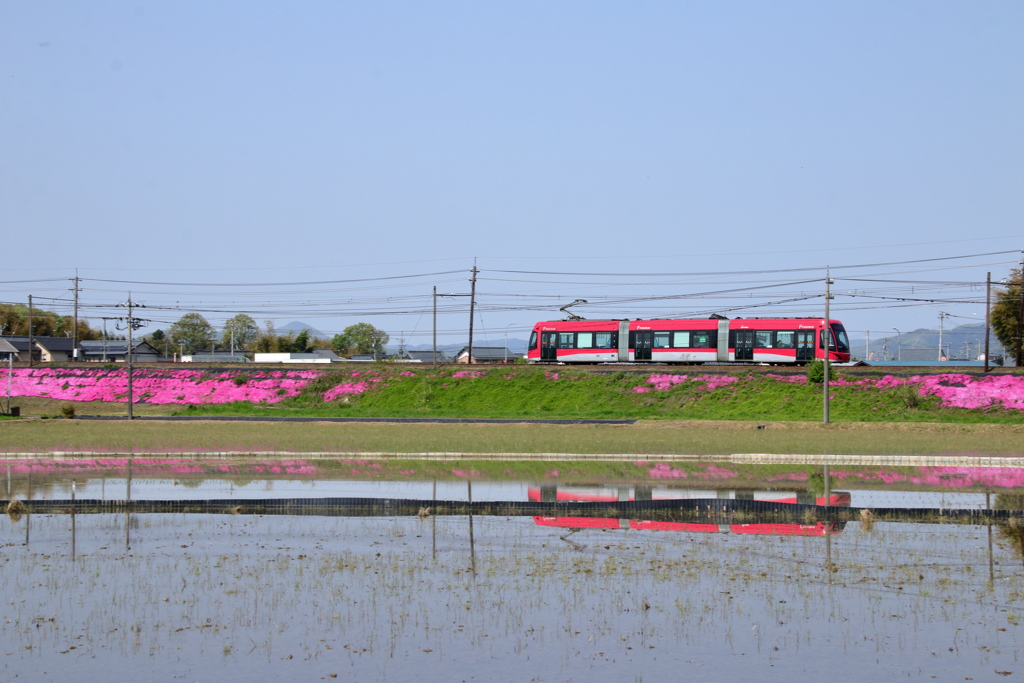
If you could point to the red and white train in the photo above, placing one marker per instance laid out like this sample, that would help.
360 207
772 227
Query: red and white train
713 340
611 495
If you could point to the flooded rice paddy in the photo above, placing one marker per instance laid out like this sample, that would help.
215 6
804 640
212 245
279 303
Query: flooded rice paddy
318 595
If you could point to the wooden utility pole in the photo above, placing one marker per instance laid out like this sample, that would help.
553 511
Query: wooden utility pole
131 323
131 401
988 313
30 330
74 333
1020 315
472 305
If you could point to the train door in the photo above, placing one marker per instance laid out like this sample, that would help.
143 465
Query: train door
804 346
744 347
548 346
642 346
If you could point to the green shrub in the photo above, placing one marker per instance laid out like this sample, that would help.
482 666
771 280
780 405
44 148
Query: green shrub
909 396
68 411
816 371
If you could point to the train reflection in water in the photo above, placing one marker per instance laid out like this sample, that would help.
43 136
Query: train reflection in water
612 494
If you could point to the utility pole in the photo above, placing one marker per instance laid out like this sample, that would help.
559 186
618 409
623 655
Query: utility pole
988 310
867 345
472 305
1020 314
74 334
131 323
942 317
30 330
828 339
472 298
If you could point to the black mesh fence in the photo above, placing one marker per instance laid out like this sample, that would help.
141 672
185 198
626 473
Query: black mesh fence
709 511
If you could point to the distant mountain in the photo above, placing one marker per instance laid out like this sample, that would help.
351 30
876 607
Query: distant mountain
514 345
298 326
963 342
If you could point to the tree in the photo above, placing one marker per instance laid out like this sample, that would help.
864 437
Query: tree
1006 315
192 333
268 341
14 321
301 343
244 329
159 341
360 338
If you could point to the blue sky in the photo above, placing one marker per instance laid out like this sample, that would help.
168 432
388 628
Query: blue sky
613 151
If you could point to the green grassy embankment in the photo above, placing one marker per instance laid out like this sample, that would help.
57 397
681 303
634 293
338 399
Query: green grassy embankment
528 392
720 437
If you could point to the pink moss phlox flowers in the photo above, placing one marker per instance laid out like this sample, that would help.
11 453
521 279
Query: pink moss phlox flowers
348 388
946 477
663 382
158 386
789 379
468 374
664 471
964 391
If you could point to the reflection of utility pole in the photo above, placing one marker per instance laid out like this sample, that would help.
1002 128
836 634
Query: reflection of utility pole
472 544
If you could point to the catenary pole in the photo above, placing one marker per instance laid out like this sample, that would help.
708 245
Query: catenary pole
827 341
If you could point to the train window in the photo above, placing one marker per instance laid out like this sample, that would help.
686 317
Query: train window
839 335
680 340
701 340
584 340
603 340
763 339
533 340
661 340
784 339
566 340
836 335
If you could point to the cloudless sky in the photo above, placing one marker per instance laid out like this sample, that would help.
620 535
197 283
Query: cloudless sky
233 143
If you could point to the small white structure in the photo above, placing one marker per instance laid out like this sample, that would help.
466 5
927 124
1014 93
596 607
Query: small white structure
290 358
213 358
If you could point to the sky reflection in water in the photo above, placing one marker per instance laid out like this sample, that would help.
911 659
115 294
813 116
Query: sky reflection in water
242 597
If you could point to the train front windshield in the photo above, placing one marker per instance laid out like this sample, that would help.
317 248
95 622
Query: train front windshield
838 341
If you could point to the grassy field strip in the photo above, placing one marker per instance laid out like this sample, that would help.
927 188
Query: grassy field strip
749 458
